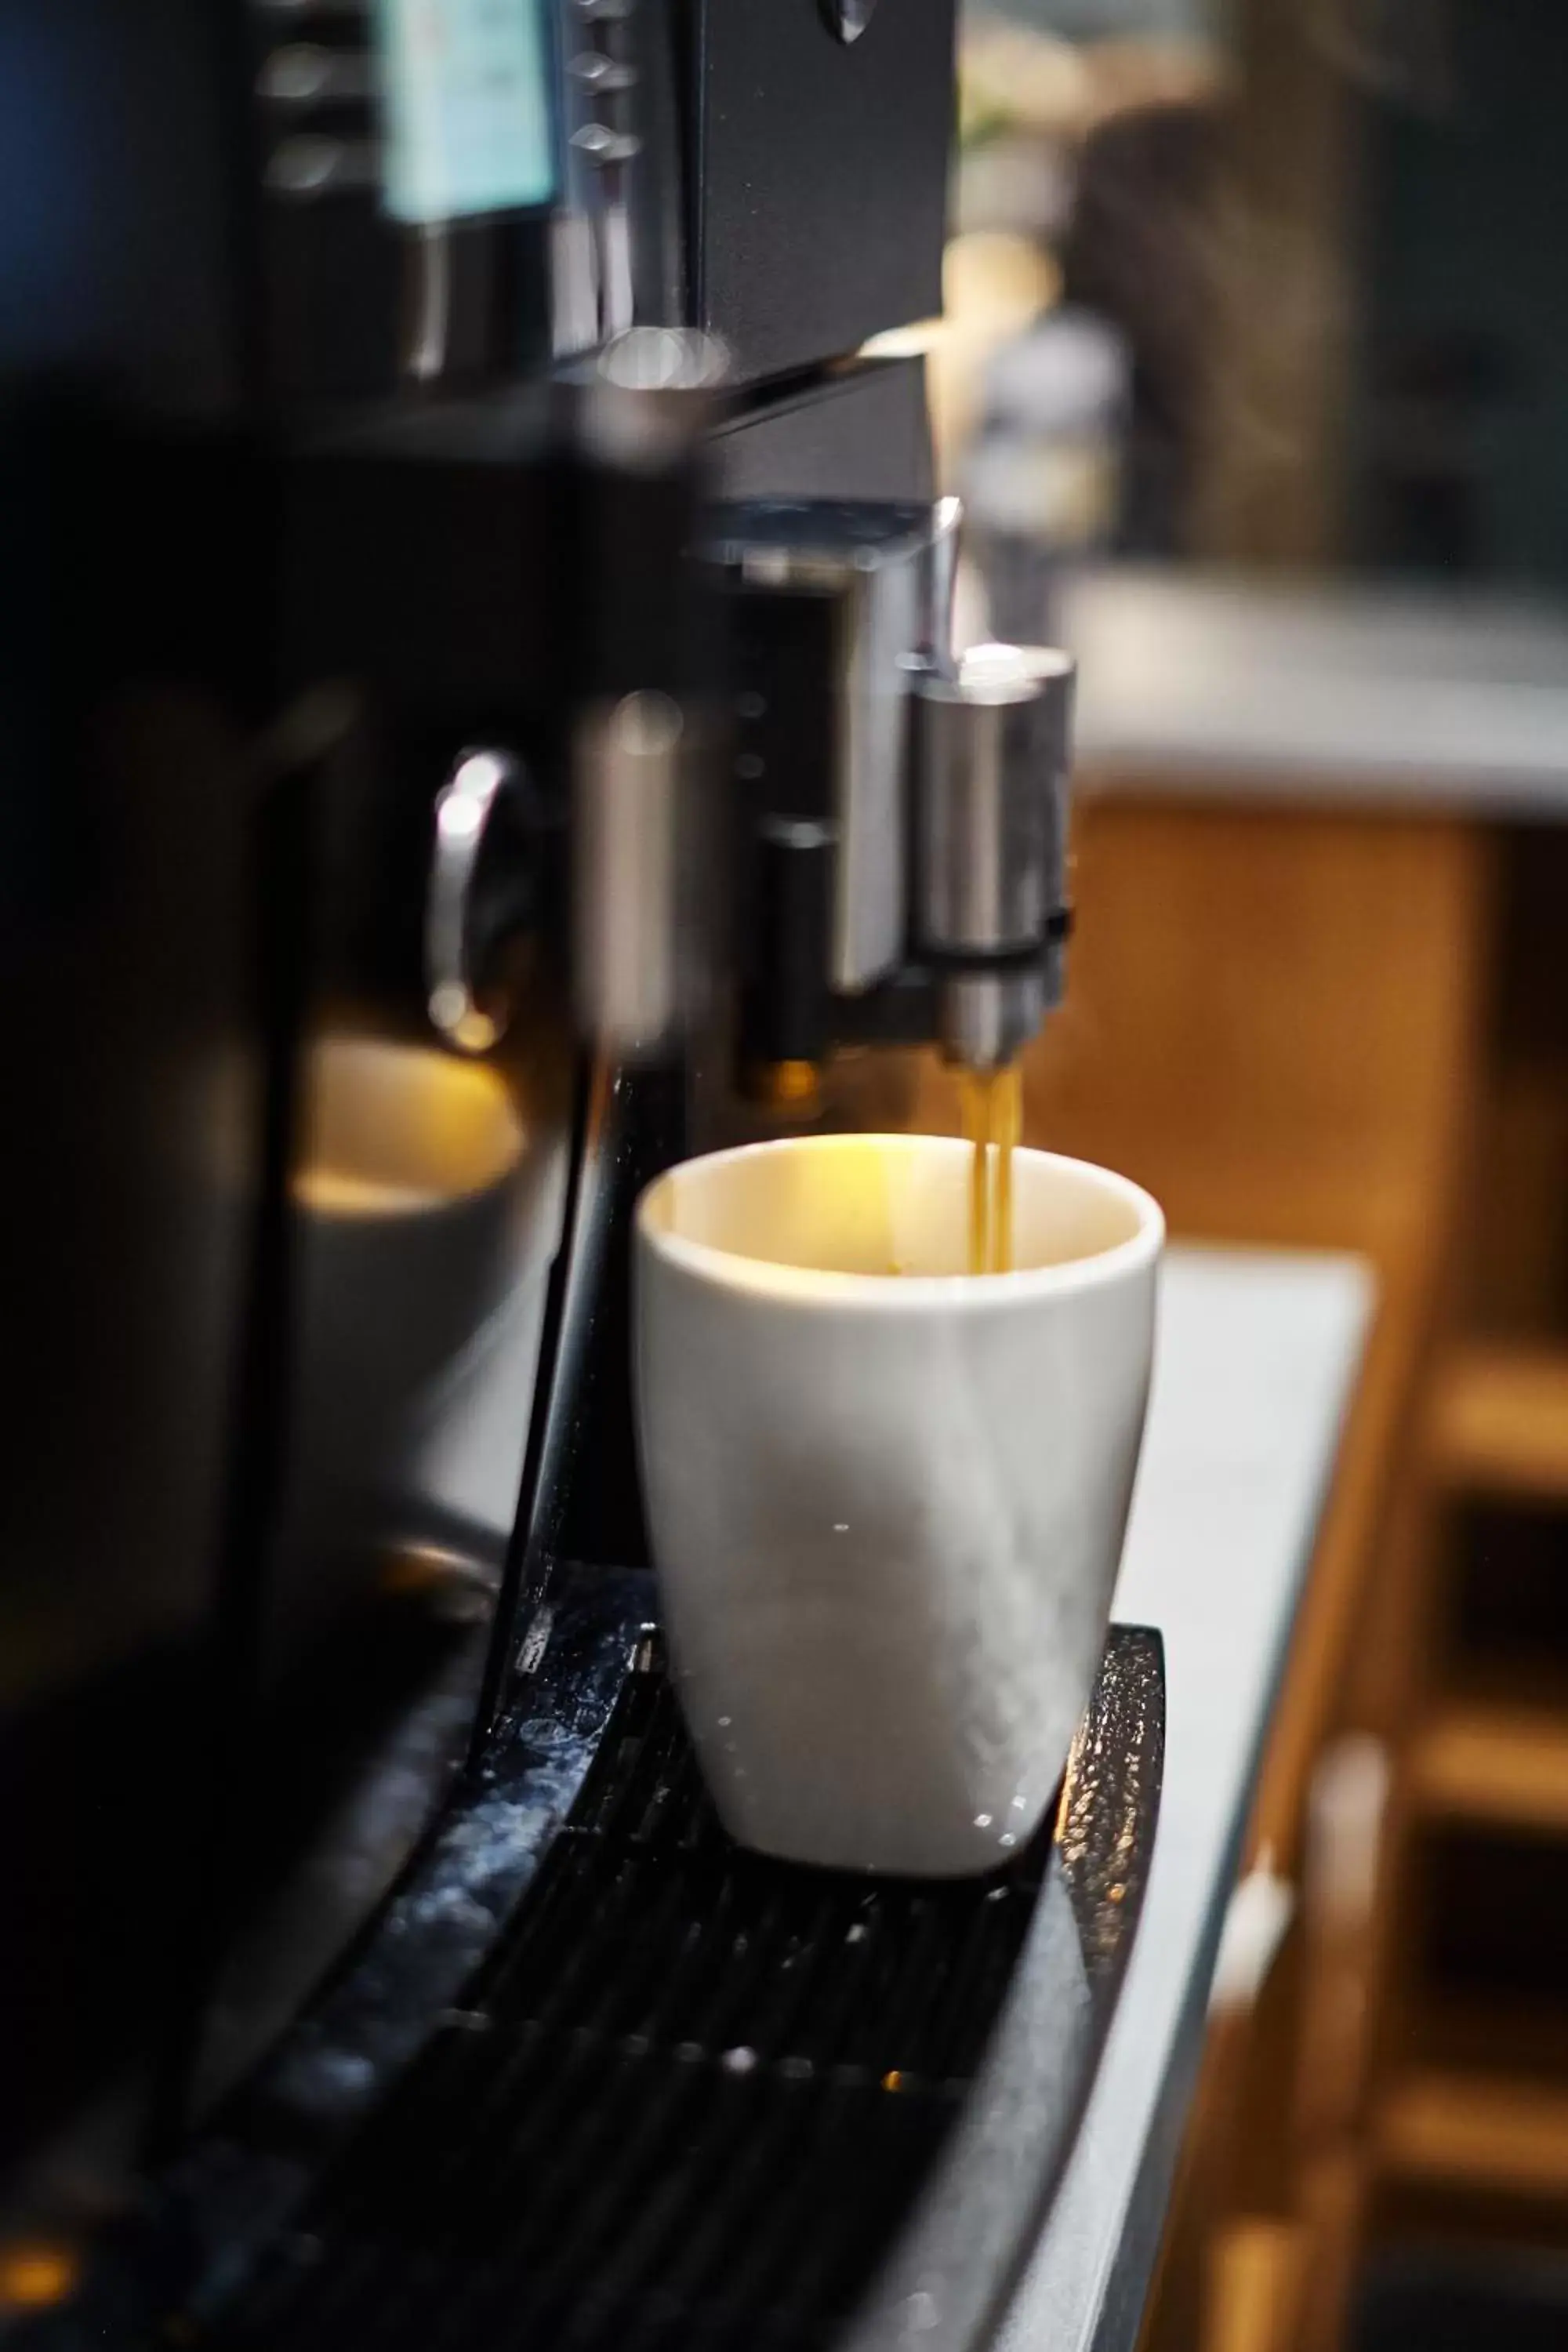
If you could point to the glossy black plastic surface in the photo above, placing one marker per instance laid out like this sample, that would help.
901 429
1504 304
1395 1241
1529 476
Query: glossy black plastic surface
663 2092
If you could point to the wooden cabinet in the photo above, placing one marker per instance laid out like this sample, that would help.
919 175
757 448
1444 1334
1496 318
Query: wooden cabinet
1326 1026
1319 1027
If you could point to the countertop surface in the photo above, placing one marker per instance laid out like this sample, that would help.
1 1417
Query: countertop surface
1256 1357
1252 687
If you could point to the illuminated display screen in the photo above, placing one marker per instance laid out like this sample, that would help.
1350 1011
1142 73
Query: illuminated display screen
466 105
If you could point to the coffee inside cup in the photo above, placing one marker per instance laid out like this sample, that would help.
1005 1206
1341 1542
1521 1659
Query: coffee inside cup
885 1205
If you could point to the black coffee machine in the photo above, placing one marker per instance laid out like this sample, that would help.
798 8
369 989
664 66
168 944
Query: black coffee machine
481 725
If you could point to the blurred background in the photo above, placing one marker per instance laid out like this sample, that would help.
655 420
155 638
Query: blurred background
1253 377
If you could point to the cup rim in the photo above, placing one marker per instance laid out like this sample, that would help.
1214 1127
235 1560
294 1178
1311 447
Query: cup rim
822 1286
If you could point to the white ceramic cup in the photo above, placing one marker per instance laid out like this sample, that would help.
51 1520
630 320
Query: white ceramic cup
885 1498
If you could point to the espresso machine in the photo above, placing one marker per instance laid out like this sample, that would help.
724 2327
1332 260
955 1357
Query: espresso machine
483 724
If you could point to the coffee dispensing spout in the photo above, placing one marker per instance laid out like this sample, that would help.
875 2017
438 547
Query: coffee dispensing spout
903 809
991 744
893 850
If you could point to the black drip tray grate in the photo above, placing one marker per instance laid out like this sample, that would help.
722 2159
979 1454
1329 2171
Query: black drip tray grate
686 2102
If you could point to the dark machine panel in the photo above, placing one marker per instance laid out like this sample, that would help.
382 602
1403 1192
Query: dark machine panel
862 433
118 244
138 841
823 176
292 515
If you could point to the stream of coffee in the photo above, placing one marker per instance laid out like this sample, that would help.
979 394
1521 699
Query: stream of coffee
993 1122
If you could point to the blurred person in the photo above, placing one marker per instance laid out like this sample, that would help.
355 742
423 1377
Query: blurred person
1137 253
1042 481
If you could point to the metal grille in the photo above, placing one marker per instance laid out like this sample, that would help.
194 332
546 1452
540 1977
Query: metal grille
686 2103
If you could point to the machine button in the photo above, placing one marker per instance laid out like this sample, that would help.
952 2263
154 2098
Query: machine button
848 18
304 75
302 169
602 75
603 146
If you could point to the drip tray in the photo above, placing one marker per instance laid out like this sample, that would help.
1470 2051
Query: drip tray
689 2100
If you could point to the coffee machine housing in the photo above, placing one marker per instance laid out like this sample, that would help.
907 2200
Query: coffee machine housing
317 1325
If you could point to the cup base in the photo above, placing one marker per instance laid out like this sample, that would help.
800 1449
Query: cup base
925 1858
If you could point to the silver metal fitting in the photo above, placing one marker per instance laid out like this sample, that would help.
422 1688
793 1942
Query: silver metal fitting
464 806
628 870
991 752
649 395
887 571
